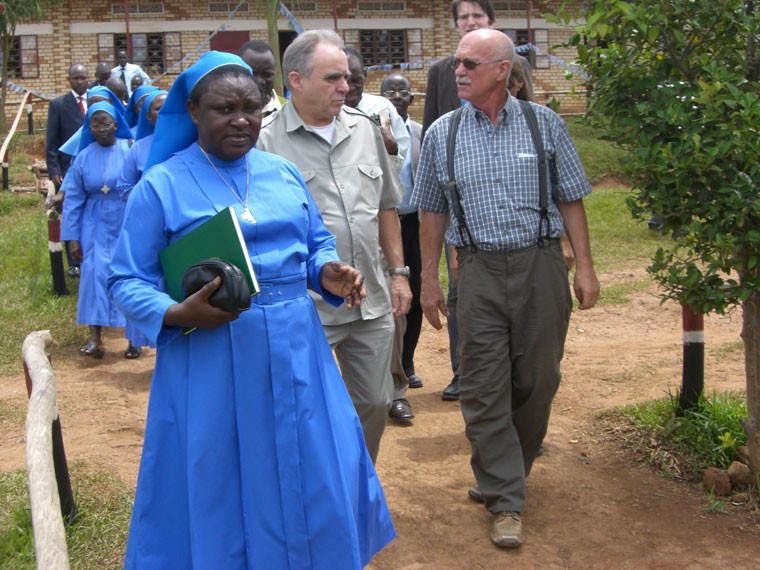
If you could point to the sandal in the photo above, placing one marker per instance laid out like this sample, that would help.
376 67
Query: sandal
132 352
91 349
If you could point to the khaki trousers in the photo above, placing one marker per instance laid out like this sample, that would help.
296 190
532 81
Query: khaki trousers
363 350
513 312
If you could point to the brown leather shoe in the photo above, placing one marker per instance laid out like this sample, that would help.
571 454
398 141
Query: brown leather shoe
506 529
401 410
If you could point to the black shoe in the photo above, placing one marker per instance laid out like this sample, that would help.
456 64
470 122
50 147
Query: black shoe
414 381
73 271
401 410
451 392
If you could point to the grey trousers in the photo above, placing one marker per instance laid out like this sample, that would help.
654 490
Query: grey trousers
363 350
513 312
400 380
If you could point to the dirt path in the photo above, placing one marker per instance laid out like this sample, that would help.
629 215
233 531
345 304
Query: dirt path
590 503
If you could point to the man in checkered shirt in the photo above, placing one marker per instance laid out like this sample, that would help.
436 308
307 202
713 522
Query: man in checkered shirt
514 301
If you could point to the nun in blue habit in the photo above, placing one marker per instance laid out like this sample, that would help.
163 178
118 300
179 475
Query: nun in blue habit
92 217
253 454
135 103
130 175
97 94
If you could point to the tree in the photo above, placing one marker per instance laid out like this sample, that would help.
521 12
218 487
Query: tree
677 83
11 13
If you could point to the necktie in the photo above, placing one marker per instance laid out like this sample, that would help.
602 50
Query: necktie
123 77
81 105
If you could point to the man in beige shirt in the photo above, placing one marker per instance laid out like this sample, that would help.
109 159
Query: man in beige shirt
341 155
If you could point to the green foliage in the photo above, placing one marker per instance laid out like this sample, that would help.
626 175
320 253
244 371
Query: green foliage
708 435
676 83
96 539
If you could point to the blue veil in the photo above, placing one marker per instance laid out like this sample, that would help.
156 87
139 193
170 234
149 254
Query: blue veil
144 126
175 129
122 129
130 114
71 146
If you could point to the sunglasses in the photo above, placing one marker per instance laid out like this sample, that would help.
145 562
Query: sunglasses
392 93
471 65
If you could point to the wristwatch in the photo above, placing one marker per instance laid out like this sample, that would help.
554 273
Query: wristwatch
400 271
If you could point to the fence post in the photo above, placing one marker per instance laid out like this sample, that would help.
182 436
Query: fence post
6 160
693 379
55 246
29 116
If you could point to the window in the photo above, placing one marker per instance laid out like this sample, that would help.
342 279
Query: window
510 6
540 40
382 46
153 52
117 8
22 57
226 7
381 6
302 6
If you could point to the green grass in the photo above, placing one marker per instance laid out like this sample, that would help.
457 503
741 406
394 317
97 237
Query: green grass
22 147
96 539
705 436
29 303
601 159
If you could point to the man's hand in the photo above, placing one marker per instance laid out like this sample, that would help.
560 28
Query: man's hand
567 251
433 301
586 287
344 281
75 249
401 295
57 180
391 146
196 311
55 202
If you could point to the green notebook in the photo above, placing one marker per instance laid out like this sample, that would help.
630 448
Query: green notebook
219 236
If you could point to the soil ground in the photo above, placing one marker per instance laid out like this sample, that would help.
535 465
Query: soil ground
592 502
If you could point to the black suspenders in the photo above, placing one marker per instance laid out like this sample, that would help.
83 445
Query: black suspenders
543 193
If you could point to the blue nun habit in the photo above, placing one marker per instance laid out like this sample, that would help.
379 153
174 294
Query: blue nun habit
254 457
92 215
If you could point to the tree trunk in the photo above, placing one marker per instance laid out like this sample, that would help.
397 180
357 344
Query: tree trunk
751 337
6 41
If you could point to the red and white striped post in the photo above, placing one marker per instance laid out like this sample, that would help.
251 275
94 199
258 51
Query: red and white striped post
6 160
55 246
693 379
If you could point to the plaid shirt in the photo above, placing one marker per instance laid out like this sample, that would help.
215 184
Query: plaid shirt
497 174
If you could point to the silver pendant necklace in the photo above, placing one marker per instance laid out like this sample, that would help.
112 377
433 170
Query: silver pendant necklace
105 189
246 215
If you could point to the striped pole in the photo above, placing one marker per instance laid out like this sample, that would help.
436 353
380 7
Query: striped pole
6 160
29 116
693 379
55 247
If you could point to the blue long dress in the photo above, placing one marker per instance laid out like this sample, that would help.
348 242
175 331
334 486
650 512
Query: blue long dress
253 454
94 218
131 171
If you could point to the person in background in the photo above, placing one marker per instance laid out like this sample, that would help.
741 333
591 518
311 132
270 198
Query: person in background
253 454
65 116
136 82
260 57
132 112
102 73
116 85
514 301
379 109
343 158
92 216
126 71
94 95
397 89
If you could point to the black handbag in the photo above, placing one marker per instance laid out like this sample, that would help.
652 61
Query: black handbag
233 293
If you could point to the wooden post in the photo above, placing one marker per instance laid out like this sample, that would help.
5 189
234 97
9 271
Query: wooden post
693 379
29 116
55 246
44 485
6 160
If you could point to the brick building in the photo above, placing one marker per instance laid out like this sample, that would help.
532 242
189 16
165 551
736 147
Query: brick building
163 33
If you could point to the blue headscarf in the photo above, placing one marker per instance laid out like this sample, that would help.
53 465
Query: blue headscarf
103 91
71 146
144 125
122 129
175 129
131 115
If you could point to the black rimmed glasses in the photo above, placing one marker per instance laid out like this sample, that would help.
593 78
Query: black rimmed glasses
470 64
392 93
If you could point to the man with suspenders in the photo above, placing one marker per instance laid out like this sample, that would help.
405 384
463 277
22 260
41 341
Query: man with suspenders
508 178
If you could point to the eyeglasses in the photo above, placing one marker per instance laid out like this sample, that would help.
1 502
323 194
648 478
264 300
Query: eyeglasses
392 93
471 65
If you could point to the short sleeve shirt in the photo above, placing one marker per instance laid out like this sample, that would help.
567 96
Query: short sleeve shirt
351 180
496 170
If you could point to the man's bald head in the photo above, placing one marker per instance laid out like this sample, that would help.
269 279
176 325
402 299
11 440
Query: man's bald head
102 72
494 45
78 78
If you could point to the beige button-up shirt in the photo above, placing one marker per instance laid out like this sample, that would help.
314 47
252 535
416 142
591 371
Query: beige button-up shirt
351 181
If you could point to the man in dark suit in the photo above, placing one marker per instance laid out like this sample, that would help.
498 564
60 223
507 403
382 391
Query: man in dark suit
65 116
